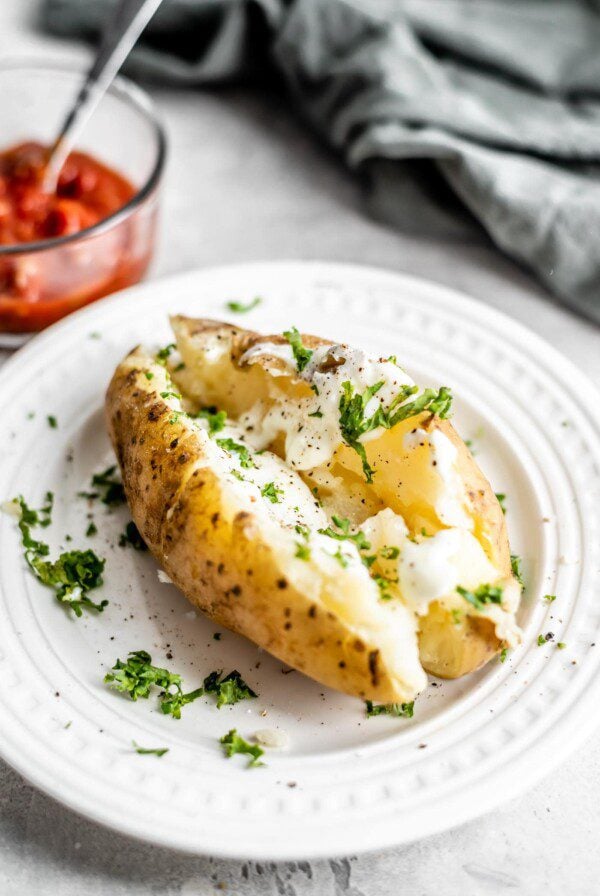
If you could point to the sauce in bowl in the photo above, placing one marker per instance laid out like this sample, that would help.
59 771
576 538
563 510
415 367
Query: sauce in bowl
41 286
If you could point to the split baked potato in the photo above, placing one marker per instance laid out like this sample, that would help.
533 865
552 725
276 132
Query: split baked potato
316 501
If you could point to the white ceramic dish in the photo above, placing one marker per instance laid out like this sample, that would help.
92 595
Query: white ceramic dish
346 783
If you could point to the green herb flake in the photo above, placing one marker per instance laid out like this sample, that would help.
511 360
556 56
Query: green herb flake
149 375
170 394
271 492
503 654
137 676
302 355
233 743
517 568
456 616
52 421
171 703
244 456
561 645
302 551
401 710
243 308
106 486
390 553
342 533
501 497
317 413
541 640
149 751
215 418
228 690
485 594
550 598
131 536
91 530
164 353
354 423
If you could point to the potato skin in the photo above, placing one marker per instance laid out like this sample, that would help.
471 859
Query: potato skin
215 554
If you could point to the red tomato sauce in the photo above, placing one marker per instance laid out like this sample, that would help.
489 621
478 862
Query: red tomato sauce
38 288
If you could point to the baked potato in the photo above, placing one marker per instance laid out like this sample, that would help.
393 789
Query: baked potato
316 501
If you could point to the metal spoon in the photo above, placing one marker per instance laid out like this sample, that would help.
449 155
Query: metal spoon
120 36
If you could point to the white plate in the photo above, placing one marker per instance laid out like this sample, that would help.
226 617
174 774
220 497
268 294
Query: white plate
359 783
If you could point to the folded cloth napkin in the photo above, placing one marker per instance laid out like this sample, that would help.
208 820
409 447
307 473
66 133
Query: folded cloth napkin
489 107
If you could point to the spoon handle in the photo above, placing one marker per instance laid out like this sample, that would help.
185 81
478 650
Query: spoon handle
118 39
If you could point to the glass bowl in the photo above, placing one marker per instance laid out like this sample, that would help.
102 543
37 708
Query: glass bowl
40 282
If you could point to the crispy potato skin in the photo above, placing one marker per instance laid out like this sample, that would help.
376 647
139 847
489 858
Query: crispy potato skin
214 554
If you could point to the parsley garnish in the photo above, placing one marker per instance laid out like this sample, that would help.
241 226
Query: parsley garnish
503 654
317 413
302 355
52 421
216 419
72 575
149 751
354 424
342 559
272 492
561 645
485 594
517 571
233 743
456 616
243 453
344 533
542 640
108 488
92 529
170 394
302 551
163 353
137 676
241 308
550 598
230 689
390 553
402 710
149 375
501 499
132 536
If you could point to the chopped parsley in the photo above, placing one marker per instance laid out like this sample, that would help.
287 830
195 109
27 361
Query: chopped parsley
401 710
242 451
302 551
302 530
456 616
107 487
131 536
243 308
228 690
343 534
163 353
485 594
503 654
72 575
302 355
390 553
233 743
501 497
172 703
149 751
272 492
170 394
52 421
137 676
317 413
92 529
561 645
216 419
541 640
342 559
550 598
354 423
517 570
149 375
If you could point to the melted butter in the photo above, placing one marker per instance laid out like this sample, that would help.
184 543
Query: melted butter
311 441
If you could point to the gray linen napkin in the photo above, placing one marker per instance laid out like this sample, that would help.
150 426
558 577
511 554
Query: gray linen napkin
491 106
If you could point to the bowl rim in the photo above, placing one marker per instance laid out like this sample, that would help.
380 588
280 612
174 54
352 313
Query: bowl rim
129 93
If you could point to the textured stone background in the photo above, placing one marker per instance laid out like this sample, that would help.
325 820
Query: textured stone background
246 181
